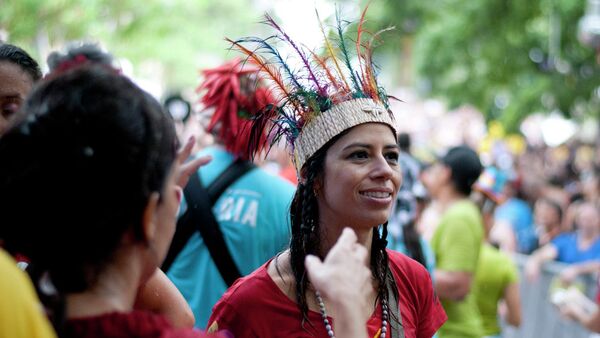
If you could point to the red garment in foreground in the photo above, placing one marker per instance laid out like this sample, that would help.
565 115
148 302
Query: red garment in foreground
255 307
136 324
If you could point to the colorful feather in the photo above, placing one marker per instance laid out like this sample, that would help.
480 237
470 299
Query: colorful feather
331 53
359 53
342 46
335 82
271 72
370 66
264 46
269 20
314 87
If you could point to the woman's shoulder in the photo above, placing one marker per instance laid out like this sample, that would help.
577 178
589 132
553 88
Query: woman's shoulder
250 287
254 306
405 267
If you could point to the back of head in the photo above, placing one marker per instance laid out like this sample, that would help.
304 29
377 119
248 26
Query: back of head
236 94
466 167
404 142
78 53
78 171
18 56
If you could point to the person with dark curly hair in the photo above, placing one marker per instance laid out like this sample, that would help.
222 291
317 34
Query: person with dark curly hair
95 137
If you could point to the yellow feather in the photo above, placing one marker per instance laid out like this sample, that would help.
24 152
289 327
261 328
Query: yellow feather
329 48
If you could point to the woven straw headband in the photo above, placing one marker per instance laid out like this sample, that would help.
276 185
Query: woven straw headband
335 120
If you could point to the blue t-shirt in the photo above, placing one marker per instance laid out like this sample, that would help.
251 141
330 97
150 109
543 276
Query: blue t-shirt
518 213
253 214
568 252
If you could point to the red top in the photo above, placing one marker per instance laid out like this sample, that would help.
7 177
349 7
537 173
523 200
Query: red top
136 324
255 306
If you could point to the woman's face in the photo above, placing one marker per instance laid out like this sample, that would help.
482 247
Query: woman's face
588 218
435 177
361 178
546 215
14 86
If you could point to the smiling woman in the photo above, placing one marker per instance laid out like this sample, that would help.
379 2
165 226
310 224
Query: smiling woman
361 177
343 139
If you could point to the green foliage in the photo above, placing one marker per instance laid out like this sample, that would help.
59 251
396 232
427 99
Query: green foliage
182 35
482 52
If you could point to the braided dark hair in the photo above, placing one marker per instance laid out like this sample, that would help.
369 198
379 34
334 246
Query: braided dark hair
305 233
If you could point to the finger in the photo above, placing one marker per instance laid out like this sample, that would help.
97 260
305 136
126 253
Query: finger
186 150
313 266
196 163
189 168
347 238
360 253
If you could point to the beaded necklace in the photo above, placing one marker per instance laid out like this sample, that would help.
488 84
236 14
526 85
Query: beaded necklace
331 334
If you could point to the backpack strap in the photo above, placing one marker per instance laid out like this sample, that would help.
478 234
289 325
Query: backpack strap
397 329
199 217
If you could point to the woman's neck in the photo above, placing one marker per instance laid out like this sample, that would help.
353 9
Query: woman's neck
587 238
330 233
447 197
114 291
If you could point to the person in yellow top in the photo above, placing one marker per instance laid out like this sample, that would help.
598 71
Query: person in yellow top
21 313
496 278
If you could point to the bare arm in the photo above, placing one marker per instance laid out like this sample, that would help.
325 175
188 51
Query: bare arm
512 299
452 285
159 295
534 264
503 234
569 274
577 313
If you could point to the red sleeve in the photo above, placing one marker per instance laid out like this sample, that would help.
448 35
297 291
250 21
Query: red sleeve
422 312
432 314
226 319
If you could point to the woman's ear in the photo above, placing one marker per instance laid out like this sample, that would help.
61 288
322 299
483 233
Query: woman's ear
149 219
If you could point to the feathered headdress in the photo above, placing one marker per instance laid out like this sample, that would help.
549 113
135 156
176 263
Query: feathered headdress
234 91
324 96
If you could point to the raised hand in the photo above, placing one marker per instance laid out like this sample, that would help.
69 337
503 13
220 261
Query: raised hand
344 281
186 168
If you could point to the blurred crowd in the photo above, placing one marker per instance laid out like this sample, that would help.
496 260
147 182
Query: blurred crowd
462 213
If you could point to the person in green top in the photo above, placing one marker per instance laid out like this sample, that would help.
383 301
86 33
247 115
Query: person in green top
457 240
497 277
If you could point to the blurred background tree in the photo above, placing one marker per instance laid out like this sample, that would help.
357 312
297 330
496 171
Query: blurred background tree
179 35
508 58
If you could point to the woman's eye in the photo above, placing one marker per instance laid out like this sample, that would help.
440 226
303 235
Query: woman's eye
8 109
359 155
392 157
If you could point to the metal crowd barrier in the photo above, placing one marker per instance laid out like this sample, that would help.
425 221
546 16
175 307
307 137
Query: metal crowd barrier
540 318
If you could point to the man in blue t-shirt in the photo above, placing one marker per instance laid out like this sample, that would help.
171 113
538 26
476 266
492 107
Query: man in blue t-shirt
253 212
